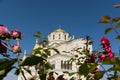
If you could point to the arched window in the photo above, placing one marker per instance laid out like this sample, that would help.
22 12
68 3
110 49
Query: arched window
53 36
70 66
59 36
62 64
65 37
66 65
53 66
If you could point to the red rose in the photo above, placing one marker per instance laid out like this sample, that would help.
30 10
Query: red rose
101 57
16 34
93 56
108 48
16 48
105 42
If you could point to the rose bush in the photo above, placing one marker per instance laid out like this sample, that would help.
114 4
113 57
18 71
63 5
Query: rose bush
7 63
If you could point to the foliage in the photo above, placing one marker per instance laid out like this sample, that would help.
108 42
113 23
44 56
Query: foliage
114 23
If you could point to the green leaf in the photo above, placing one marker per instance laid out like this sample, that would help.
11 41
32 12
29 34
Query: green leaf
99 75
47 51
4 63
118 25
38 35
117 19
5 71
118 37
108 30
116 67
17 72
36 51
105 19
32 60
69 73
48 65
110 61
42 74
86 52
85 69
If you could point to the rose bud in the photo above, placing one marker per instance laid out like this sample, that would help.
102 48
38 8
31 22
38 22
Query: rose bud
105 42
16 48
16 34
110 55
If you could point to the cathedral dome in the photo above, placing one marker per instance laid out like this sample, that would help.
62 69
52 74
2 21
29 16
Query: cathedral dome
59 35
60 30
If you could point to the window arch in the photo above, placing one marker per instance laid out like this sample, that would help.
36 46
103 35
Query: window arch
65 37
66 65
53 36
59 36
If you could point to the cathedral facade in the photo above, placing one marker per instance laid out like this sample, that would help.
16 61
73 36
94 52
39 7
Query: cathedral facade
67 46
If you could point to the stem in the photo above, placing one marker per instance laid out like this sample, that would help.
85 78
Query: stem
17 41
8 41
6 46
18 59
17 55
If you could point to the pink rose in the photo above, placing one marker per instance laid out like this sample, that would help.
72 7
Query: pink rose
16 48
4 33
16 34
3 48
110 55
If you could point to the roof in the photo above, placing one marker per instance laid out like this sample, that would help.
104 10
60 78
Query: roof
60 30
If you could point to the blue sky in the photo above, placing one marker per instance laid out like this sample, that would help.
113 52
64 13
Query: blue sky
78 17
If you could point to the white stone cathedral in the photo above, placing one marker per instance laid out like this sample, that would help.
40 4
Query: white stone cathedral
67 46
